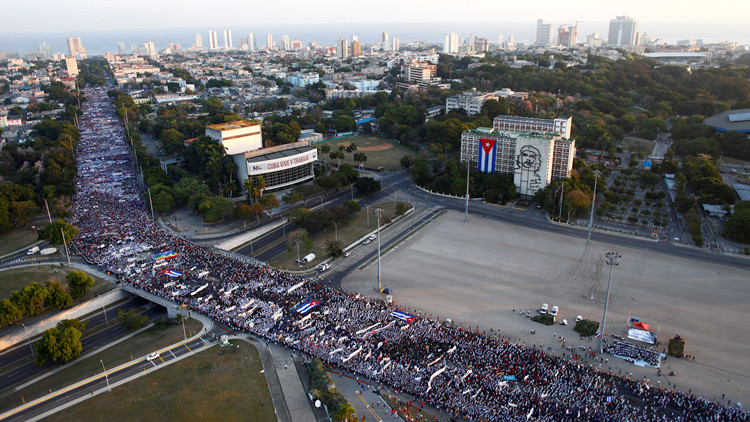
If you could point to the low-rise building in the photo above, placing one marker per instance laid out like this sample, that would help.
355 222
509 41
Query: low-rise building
471 101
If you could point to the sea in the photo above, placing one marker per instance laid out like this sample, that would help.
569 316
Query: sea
101 41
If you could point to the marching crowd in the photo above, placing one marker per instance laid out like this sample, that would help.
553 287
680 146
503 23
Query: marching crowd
457 370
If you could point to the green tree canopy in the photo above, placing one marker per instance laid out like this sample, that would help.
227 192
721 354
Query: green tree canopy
79 283
53 234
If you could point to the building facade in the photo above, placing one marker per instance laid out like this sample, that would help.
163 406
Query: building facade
535 157
543 33
471 101
213 42
560 125
623 31
71 65
280 166
75 48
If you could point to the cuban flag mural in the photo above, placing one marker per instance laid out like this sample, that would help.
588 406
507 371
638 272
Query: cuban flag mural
403 316
306 306
487 155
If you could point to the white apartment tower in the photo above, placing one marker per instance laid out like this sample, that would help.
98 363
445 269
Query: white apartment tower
198 42
623 31
269 41
228 39
75 48
71 65
543 33
285 41
450 45
342 49
384 40
213 42
251 46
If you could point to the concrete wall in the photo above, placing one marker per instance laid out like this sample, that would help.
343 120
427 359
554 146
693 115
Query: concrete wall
75 312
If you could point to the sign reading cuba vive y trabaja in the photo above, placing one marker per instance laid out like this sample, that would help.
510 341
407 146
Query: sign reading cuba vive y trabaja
261 167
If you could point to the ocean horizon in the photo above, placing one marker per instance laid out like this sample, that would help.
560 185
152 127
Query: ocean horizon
98 42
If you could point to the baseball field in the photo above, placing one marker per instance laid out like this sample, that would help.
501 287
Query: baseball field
380 152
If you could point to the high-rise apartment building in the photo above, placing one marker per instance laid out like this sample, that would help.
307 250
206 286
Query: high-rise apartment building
296 44
227 39
384 41
543 33
198 42
45 50
269 41
623 31
356 49
75 48
286 44
71 65
149 47
567 35
354 38
342 49
481 44
251 46
450 44
121 47
395 44
500 40
213 41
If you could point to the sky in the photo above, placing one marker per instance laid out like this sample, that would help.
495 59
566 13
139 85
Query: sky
70 15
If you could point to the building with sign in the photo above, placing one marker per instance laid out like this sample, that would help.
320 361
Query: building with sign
280 166
536 158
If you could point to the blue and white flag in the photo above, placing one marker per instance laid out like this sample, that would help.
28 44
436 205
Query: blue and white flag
487 155
172 273
598 334
306 306
403 316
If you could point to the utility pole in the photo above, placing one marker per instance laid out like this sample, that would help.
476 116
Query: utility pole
368 215
106 376
66 245
183 326
336 226
28 339
613 260
597 173
466 212
379 213
151 203
48 214
106 320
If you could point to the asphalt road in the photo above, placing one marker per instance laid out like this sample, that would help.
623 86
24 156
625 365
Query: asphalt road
28 370
86 388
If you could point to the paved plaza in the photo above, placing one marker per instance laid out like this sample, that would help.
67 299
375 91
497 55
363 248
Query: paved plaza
478 273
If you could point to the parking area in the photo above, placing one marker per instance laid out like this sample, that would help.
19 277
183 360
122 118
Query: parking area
483 273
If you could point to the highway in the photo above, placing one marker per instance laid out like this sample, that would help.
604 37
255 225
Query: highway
87 387
24 369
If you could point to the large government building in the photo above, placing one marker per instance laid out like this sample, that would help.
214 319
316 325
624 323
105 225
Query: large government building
281 166
536 151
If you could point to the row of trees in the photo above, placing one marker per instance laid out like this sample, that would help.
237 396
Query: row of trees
36 298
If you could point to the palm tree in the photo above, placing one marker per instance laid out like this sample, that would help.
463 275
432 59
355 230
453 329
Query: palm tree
351 148
360 157
254 188
324 149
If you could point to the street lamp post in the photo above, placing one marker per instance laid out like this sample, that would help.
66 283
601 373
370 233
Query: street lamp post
62 232
379 213
151 203
106 376
28 339
298 261
466 212
597 173
613 260
336 228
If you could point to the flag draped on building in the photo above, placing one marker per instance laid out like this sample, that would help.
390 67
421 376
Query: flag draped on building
165 255
306 306
172 273
487 155
403 316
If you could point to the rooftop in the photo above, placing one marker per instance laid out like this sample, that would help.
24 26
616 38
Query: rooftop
731 120
239 124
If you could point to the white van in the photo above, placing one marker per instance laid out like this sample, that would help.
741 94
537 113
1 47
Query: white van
33 250
324 266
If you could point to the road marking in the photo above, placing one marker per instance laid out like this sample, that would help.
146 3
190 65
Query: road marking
161 358
367 405
186 346
172 353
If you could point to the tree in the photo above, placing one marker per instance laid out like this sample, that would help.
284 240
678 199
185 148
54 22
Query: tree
738 225
254 187
31 299
172 140
53 235
406 161
9 313
58 345
366 185
360 157
162 198
334 248
269 202
243 212
79 283
189 186
215 208
131 320
57 297
579 201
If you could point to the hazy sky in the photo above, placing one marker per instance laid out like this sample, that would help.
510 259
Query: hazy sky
72 15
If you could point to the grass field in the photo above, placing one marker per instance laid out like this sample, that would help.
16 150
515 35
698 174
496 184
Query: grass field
353 230
17 279
137 346
15 240
219 384
380 152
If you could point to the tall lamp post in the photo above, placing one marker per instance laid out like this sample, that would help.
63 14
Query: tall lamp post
106 376
379 213
28 339
597 173
466 211
336 228
613 260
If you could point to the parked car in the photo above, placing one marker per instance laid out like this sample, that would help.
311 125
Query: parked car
554 310
579 318
372 237
543 309
152 356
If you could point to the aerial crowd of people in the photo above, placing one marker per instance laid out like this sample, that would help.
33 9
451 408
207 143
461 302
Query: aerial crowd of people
457 370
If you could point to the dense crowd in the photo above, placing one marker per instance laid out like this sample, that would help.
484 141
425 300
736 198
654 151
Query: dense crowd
635 353
457 370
